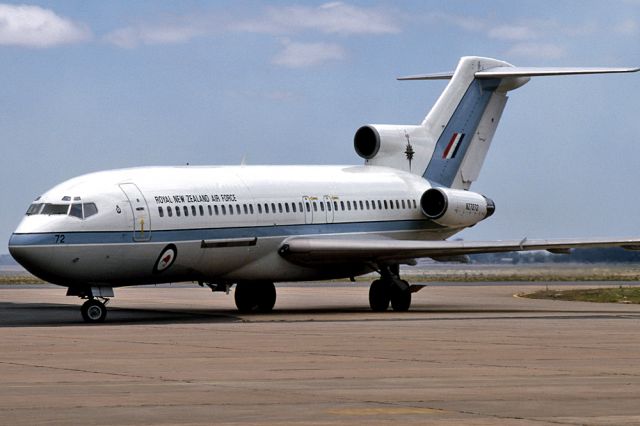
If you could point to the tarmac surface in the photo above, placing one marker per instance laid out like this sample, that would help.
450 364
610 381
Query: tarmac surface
468 355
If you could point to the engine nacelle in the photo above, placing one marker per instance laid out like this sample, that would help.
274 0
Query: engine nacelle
455 207
385 140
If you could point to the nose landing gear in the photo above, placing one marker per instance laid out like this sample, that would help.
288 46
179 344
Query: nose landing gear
94 311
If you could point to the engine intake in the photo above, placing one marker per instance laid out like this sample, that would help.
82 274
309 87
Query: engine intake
455 207
367 142
379 142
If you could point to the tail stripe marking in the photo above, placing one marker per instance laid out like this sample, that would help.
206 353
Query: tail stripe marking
453 146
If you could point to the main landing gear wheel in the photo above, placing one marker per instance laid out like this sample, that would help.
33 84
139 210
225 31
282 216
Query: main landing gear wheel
379 295
255 297
401 296
93 311
396 291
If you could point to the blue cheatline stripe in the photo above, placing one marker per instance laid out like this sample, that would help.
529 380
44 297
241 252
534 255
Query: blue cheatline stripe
464 120
177 235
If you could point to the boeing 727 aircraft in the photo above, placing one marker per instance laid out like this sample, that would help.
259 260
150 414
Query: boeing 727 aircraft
251 226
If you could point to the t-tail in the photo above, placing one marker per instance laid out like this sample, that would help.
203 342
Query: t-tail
449 147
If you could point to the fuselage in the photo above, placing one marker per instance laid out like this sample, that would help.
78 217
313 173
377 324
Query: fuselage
212 224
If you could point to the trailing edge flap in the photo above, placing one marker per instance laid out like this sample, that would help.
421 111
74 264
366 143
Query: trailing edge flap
318 250
504 72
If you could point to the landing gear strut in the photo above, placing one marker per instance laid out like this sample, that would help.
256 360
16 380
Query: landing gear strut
390 289
259 296
93 311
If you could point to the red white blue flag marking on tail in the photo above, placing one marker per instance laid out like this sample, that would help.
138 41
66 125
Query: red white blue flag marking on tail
452 147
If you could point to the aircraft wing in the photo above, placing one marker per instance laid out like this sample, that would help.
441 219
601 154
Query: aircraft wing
319 250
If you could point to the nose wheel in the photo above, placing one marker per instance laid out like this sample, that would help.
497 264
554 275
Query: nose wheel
93 311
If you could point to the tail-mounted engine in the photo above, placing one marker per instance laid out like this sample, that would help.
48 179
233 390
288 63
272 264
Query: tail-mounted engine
390 145
455 207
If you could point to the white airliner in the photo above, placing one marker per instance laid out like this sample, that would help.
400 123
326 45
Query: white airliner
255 225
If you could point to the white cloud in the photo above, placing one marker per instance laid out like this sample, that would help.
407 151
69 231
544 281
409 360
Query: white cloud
300 55
33 26
628 27
512 32
329 18
537 50
130 37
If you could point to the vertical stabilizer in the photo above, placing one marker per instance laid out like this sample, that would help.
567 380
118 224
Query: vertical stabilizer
462 124
449 147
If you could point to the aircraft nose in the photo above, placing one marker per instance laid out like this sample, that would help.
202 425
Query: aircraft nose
34 259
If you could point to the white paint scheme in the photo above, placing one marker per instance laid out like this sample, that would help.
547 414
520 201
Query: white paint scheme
341 234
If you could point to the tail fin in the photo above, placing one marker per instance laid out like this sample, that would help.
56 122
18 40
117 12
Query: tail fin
457 132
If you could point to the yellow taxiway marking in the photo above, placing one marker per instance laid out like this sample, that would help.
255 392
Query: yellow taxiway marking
377 411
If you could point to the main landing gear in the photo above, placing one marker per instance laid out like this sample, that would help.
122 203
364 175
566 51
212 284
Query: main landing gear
255 296
250 296
390 289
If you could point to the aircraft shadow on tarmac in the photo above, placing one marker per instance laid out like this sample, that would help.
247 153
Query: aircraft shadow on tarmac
57 315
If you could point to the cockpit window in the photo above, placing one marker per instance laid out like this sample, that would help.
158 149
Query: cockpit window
55 209
90 209
34 209
76 210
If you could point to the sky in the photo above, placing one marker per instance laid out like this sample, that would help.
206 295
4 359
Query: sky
88 86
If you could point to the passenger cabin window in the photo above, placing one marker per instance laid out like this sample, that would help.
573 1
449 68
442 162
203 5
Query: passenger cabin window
193 211
210 211
169 211
238 209
259 208
230 208
215 209
178 211
186 211
160 211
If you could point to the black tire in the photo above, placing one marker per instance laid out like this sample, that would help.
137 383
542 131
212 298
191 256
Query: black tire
401 297
255 297
379 295
93 311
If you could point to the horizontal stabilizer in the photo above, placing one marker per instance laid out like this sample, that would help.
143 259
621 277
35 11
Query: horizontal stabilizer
504 72
434 76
